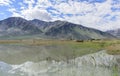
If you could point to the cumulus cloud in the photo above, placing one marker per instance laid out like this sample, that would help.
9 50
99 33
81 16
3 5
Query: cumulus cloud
98 15
36 14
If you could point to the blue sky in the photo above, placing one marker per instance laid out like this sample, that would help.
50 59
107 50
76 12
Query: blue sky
99 14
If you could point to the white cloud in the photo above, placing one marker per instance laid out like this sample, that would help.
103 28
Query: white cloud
14 12
30 3
5 2
74 8
36 14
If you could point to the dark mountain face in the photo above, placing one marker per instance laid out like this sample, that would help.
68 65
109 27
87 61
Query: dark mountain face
58 29
17 26
115 32
44 26
74 31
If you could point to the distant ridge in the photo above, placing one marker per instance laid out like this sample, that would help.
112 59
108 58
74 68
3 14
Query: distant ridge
115 32
16 26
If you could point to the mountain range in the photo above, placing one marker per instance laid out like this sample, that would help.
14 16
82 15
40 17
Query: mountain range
115 32
17 27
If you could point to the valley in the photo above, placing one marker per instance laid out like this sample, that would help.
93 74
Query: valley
39 48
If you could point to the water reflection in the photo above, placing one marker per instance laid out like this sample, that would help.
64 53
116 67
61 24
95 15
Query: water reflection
26 60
